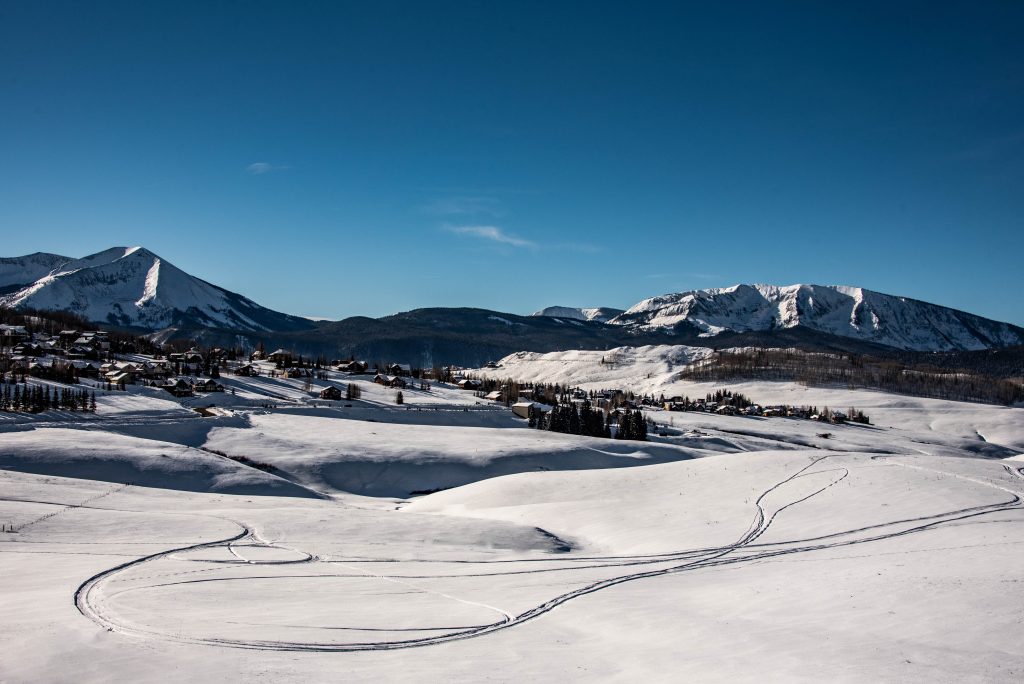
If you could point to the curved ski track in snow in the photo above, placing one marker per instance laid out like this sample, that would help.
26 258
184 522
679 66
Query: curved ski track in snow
743 550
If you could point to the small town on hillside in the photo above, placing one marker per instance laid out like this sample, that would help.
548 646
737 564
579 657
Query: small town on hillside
99 360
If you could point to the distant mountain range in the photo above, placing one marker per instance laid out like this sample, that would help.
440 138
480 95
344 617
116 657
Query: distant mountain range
132 288
601 314
852 312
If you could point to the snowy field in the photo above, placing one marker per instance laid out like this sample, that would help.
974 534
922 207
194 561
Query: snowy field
283 538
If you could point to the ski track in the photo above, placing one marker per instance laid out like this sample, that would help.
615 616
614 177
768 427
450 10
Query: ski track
744 550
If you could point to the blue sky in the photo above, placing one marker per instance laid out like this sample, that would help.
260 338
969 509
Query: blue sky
337 159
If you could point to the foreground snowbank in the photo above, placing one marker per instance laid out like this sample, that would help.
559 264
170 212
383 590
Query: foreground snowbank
96 455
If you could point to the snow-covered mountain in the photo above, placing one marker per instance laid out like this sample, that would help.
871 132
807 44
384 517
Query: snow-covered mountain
17 272
838 310
601 314
132 287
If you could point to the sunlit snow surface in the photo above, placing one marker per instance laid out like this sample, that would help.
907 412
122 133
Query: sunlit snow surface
731 549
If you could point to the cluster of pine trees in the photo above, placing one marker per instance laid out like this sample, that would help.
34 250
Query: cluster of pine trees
632 426
36 399
582 419
858 416
572 419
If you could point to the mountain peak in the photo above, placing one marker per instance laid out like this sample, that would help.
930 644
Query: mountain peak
133 287
842 310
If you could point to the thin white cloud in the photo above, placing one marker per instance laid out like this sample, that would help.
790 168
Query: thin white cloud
492 233
258 168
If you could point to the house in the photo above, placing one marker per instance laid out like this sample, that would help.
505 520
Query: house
210 385
180 388
10 335
50 349
524 408
154 371
280 356
399 369
29 349
389 380
86 369
93 340
469 384
67 337
119 378
80 352
353 366
191 356
726 410
247 370
496 395
331 392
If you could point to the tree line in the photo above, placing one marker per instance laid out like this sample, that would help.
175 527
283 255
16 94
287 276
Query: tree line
854 371
36 399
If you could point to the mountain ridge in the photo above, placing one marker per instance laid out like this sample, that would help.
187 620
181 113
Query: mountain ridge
601 314
855 312
133 288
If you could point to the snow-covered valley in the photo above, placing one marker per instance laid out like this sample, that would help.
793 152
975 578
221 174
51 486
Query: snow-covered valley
291 538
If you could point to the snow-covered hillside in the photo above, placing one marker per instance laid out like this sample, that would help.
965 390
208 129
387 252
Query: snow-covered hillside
654 370
132 547
638 368
838 310
288 537
133 287
20 271
602 314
